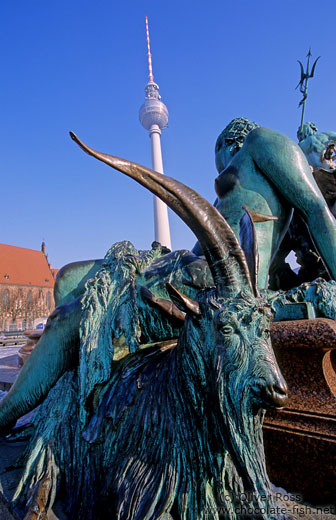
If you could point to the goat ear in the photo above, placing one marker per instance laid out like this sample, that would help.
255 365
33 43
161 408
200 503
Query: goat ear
181 301
258 217
249 244
166 306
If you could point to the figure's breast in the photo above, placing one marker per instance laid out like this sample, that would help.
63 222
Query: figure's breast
226 181
242 183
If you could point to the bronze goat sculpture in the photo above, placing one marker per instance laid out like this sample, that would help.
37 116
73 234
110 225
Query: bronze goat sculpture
166 431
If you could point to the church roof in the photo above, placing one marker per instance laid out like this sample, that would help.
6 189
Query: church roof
22 266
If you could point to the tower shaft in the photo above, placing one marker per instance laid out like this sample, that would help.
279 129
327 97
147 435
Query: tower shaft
161 221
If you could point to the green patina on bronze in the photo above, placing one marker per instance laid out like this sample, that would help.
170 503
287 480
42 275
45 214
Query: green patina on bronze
138 433
174 430
269 174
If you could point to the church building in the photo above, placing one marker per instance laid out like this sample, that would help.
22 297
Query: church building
26 287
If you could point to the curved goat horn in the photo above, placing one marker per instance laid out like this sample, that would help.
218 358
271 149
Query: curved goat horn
219 243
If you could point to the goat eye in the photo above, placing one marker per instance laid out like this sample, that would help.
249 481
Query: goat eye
267 333
227 330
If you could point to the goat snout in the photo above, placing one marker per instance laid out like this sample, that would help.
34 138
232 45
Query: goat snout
272 395
276 395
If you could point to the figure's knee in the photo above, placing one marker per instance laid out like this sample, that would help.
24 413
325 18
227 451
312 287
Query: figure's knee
71 279
63 286
57 316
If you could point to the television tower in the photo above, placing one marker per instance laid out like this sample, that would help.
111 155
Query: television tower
153 116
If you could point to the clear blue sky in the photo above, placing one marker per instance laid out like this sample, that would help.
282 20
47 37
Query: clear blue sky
81 65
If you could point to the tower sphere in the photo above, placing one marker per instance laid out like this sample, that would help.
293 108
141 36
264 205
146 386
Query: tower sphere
153 111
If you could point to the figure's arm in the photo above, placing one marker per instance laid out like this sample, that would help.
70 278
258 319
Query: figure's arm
55 353
281 160
317 142
331 135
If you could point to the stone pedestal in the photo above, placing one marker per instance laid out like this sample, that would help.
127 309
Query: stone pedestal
25 351
300 440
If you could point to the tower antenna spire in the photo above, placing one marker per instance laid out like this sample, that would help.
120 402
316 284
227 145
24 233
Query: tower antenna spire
153 116
150 69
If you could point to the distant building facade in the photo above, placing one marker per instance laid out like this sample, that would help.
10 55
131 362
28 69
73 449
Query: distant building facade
26 287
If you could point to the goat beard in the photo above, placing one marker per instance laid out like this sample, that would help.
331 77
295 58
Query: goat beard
245 482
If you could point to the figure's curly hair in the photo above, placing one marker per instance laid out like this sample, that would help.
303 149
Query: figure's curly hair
307 130
234 134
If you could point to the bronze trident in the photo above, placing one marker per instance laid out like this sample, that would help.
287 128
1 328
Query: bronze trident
303 84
